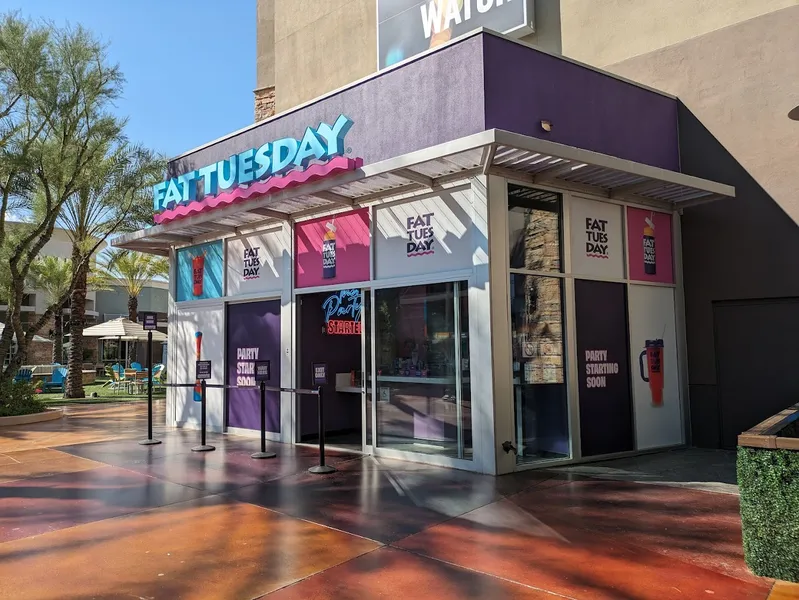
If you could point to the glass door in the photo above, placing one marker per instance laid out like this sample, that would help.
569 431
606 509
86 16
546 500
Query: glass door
420 370
366 369
330 332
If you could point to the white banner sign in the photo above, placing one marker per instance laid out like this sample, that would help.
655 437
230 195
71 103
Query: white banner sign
255 263
653 352
596 239
424 236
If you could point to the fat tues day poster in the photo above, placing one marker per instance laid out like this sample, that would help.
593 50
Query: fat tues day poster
333 249
200 272
606 412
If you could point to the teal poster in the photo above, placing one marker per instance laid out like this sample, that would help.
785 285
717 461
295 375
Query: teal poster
199 271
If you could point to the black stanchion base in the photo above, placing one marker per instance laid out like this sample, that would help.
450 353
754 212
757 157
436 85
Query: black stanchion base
205 448
149 442
263 455
322 470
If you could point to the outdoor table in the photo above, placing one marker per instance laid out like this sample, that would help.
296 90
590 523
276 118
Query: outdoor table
136 379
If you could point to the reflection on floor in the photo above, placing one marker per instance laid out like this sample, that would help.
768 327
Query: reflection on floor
112 519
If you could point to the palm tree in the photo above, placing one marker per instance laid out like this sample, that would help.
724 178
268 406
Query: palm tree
113 199
131 271
53 276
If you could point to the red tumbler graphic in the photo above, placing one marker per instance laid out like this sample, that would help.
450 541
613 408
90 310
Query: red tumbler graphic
654 363
197 273
198 389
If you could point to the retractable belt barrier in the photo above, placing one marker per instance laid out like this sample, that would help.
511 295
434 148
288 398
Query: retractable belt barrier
319 469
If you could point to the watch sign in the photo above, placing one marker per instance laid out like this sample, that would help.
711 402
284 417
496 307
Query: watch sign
409 27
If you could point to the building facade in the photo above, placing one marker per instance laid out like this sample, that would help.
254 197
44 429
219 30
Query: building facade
731 67
477 270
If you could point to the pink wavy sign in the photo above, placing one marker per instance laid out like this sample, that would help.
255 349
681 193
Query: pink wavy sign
335 166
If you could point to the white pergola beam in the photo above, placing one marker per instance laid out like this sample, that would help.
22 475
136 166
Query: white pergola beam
414 176
334 198
267 212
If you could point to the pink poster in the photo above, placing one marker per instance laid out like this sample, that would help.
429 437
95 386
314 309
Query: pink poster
649 245
332 250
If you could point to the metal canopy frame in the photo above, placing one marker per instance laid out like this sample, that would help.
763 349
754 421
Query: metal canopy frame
497 152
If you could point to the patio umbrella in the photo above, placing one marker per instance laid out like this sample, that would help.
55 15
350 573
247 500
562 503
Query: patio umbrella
121 329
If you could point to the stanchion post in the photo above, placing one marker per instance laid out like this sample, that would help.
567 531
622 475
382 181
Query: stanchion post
203 447
263 453
149 441
321 468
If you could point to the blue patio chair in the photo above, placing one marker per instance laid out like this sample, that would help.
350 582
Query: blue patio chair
136 366
24 376
56 381
119 380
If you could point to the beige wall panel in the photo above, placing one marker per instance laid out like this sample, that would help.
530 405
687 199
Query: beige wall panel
265 44
609 31
741 82
547 34
321 46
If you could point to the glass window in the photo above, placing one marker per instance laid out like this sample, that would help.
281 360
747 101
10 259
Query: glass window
539 386
419 405
534 225
367 328
466 387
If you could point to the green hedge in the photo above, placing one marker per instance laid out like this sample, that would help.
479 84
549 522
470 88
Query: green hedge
769 486
18 399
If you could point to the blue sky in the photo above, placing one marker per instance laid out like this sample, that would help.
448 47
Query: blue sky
189 64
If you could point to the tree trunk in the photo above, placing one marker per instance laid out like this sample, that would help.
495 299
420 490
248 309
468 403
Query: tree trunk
77 318
58 335
133 315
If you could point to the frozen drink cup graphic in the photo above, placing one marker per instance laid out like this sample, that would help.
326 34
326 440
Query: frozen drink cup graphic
198 343
649 246
654 366
329 251
197 273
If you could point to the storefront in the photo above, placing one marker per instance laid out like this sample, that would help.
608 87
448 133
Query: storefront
490 273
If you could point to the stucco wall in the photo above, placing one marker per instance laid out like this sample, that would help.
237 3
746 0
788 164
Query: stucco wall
322 46
265 44
610 31
737 85
740 82
587 109
396 112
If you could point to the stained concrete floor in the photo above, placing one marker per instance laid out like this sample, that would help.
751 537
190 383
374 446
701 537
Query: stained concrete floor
694 468
85 512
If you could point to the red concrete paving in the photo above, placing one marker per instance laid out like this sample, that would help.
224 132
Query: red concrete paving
390 573
85 512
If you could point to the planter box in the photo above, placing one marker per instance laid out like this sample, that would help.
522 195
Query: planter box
768 479
48 415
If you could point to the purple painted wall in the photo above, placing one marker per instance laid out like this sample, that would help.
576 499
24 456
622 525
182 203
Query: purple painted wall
253 325
396 112
587 109
482 82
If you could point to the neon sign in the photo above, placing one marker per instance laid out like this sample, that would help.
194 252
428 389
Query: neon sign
343 312
273 158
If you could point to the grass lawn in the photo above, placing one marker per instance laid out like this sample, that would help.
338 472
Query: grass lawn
104 394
